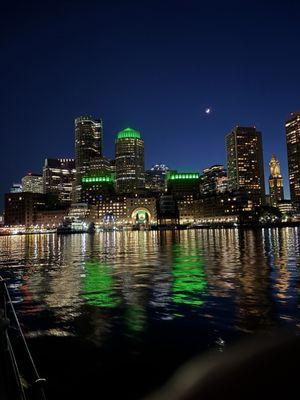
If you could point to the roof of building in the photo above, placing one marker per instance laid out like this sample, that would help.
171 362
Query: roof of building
128 133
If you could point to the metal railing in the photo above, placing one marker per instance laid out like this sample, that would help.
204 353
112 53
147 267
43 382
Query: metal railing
35 387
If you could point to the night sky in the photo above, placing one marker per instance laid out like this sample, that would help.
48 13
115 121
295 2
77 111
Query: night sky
151 65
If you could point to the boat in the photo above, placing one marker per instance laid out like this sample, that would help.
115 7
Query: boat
75 226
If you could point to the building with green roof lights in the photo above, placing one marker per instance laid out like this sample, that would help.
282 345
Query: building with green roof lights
183 175
130 165
96 187
183 183
129 133
94 179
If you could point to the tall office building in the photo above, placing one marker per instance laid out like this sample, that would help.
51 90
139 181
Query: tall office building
292 127
130 175
88 145
58 177
245 163
32 183
214 180
275 182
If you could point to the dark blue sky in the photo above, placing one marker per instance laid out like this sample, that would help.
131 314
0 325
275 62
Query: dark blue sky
152 65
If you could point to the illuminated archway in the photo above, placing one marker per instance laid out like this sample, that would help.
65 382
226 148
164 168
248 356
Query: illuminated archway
141 216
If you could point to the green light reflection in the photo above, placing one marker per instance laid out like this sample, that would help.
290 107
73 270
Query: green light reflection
136 318
189 280
99 285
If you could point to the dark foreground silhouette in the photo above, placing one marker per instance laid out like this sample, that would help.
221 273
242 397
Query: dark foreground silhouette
259 367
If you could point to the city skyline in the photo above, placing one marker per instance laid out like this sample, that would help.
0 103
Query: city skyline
159 76
103 154
150 199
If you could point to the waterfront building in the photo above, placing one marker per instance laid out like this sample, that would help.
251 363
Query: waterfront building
285 207
129 161
88 145
49 218
21 208
227 207
187 209
214 180
81 212
184 186
245 162
156 178
168 213
111 211
275 182
16 188
124 211
58 177
33 183
97 187
141 211
292 127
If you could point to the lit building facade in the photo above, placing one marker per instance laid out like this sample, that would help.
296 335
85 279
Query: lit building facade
111 212
292 127
245 162
214 180
123 211
156 178
286 207
168 214
21 208
88 145
97 187
227 207
58 177
16 188
33 183
275 182
129 161
184 187
182 183
141 211
49 218
80 212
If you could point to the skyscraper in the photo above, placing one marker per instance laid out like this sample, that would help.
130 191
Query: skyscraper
292 127
58 177
32 183
88 145
245 162
275 182
130 176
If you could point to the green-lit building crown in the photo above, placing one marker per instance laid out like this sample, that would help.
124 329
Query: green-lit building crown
182 176
129 133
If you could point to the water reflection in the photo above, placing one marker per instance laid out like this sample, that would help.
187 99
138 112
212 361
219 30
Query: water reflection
98 285
189 282
130 283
